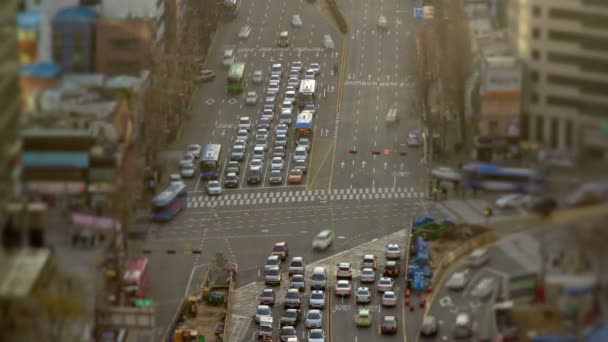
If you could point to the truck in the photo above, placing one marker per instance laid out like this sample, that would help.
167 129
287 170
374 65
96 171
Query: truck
205 315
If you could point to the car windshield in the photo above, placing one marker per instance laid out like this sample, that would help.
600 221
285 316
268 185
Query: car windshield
273 272
296 263
343 285
290 314
297 278
315 334
316 296
389 295
288 331
318 277
263 311
278 248
293 295
272 261
314 315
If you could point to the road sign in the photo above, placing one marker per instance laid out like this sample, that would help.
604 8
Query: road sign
419 280
418 13
428 12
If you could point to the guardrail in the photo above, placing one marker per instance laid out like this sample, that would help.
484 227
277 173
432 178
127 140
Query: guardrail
338 16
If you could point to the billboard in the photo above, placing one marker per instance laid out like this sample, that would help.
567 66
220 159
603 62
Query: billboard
502 76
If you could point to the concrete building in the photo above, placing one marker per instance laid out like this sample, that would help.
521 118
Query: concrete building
9 97
564 46
123 46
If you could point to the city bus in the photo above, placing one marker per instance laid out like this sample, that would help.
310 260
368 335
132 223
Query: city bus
169 202
135 280
484 176
236 77
304 125
211 161
307 93
231 8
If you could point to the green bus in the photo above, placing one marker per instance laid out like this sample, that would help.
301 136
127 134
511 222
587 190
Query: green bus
236 77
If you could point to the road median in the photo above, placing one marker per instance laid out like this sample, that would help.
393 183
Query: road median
338 16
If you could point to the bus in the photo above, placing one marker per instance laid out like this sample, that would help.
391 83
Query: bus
135 280
231 8
483 176
307 93
169 202
236 77
304 125
210 161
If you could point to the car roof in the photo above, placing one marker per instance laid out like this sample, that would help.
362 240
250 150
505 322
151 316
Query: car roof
389 318
297 258
273 257
367 269
280 244
263 307
363 288
369 256
392 245
389 293
317 292
344 264
391 263
343 282
293 290
363 311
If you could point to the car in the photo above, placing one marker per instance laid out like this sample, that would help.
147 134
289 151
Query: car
272 276
292 299
287 105
385 284
228 57
175 178
242 143
344 271
268 113
267 297
318 279
274 79
187 158
369 261
244 123
276 177
296 65
363 318
301 165
295 176
254 176
269 107
195 150
276 69
304 142
231 180
286 117
590 193
463 327
251 98
323 240
264 123
290 96
281 250
278 151
328 43
382 23
296 21
258 77
237 153
300 153
315 67
262 133
429 326
291 317
258 151
293 81
484 288
242 134
187 170
343 288
388 325
310 74
295 73
389 298
283 39
514 201
256 162
272 88
244 32
317 299
280 140
316 335
296 265
262 310
457 281
233 166
287 332
393 251
297 282
391 269
269 99
363 295
314 319
214 188
206 76
272 261
281 129
368 275
265 327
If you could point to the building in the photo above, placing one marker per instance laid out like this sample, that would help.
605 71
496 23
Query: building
563 44
73 44
123 46
9 97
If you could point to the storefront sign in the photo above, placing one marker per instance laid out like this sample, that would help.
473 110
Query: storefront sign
56 188
92 221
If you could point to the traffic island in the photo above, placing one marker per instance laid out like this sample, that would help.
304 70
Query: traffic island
338 16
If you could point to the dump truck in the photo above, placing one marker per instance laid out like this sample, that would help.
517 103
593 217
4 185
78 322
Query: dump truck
205 316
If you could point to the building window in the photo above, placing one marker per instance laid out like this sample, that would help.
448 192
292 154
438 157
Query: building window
535 54
123 68
536 33
539 129
554 132
534 76
125 44
569 134
533 97
536 11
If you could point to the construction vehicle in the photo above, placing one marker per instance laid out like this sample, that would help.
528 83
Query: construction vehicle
205 316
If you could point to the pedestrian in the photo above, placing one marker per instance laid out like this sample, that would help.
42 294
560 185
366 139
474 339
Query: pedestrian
444 192
434 192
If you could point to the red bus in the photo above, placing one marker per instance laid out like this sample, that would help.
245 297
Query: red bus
135 279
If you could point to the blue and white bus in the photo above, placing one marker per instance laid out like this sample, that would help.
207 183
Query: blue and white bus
307 92
483 176
170 202
211 161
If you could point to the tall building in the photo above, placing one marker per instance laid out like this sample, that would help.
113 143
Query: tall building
564 44
9 99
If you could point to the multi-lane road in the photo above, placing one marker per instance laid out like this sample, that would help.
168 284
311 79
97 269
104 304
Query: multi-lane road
361 196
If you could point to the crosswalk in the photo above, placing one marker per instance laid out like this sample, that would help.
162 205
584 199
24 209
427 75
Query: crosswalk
302 196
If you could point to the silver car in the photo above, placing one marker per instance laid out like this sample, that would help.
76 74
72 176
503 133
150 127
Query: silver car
300 164
314 319
317 299
238 153
297 282
281 129
273 276
195 150
214 188
292 299
296 21
277 163
187 170
457 281
242 134
257 77
315 67
280 140
293 82
262 310
251 98
271 262
244 32
310 74
300 153
276 177
278 151
484 288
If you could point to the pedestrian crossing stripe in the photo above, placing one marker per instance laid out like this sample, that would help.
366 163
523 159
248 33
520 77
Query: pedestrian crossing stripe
268 197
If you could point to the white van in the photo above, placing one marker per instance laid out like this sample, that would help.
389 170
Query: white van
318 279
478 257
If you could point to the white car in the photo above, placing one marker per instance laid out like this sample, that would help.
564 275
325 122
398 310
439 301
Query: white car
257 77
457 281
385 284
344 270
262 133
280 140
175 178
187 170
393 251
214 188
484 288
290 96
323 240
314 319
317 299
188 158
262 310
244 32
297 65
300 153
242 134
296 266
315 67
343 288
296 21
363 295
195 150
368 275
513 201
228 57
389 298
309 74
244 123
316 335
272 261
277 163
281 129
293 82
251 98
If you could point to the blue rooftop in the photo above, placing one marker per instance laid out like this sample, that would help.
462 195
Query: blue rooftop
41 70
29 20
76 13
55 159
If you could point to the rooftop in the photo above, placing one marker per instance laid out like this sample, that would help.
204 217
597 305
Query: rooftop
21 270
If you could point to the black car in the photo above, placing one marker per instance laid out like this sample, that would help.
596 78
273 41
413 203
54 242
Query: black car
291 317
391 269
388 325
